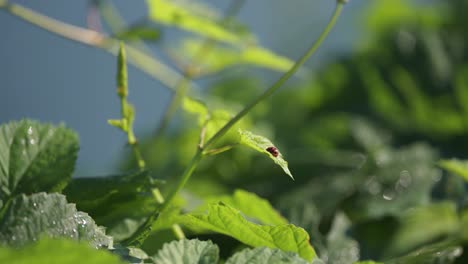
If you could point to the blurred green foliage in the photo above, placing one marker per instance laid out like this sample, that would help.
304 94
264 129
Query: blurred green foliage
362 137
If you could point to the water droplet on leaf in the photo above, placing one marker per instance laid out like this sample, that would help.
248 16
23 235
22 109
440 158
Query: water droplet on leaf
388 195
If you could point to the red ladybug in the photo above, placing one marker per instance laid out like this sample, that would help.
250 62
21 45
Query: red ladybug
273 151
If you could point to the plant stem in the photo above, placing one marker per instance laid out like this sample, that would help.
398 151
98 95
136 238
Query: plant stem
183 85
144 230
141 234
273 88
140 59
115 21
198 155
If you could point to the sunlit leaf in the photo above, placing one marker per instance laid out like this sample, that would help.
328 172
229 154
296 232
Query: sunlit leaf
218 58
173 14
218 118
196 107
455 166
251 206
226 220
188 252
262 145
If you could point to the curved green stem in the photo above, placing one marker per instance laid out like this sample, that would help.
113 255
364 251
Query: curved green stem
273 88
183 85
144 230
141 234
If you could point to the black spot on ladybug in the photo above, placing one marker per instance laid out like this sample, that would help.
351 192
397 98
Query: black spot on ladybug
273 151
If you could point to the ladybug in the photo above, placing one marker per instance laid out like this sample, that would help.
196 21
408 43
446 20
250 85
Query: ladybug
273 151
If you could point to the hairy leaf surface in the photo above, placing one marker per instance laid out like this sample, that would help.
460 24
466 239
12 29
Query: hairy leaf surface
188 252
27 218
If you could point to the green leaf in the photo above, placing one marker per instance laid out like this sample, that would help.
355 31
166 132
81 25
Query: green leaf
219 57
261 144
116 202
455 166
188 252
264 255
27 218
226 220
251 206
131 254
35 157
196 107
217 119
118 123
181 16
57 251
263 57
368 262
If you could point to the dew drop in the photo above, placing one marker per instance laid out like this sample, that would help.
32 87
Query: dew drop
388 195
53 222
13 238
32 141
34 205
456 252
373 186
405 179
